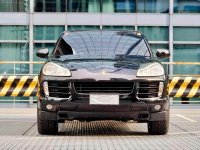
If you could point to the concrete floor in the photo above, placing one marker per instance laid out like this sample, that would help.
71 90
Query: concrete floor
18 130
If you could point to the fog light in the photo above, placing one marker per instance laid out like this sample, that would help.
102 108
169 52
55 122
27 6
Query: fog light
49 106
46 89
157 107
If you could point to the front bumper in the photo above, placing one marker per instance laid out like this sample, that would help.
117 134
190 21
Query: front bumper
78 108
138 111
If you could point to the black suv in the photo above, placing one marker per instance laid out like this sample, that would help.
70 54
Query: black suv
103 75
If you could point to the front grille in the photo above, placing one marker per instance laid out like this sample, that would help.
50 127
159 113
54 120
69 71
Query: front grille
103 87
59 89
148 89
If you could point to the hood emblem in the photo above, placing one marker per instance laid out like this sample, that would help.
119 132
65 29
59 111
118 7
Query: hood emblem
103 72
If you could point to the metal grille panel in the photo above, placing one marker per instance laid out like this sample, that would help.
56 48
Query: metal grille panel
148 89
104 87
59 89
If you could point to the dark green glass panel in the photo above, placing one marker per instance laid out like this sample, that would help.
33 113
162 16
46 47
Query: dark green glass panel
186 6
50 5
118 27
186 53
14 32
14 52
14 5
119 6
47 32
76 28
186 33
157 33
89 6
153 6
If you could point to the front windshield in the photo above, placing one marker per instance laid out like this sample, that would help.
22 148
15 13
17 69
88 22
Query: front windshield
99 43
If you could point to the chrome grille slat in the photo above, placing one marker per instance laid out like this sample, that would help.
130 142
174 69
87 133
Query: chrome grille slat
148 87
57 87
103 87
149 93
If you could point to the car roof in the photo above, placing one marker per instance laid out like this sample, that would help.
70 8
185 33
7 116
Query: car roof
125 32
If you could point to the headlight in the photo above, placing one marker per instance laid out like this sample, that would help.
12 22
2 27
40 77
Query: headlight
52 69
151 69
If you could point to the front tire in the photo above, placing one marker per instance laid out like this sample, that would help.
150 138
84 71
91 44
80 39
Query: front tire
47 127
158 127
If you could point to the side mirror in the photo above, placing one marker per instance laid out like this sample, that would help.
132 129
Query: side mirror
42 53
162 53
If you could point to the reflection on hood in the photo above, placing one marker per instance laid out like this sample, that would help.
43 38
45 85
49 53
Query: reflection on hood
96 62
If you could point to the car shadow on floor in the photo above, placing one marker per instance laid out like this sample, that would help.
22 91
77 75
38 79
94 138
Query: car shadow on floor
101 128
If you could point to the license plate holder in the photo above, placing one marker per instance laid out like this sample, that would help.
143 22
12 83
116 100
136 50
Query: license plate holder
104 99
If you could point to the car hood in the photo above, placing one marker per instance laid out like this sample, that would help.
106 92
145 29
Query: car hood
102 68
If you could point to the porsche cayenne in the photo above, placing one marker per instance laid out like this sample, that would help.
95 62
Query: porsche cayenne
103 75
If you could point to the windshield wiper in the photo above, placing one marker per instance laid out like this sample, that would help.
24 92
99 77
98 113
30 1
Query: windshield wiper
133 46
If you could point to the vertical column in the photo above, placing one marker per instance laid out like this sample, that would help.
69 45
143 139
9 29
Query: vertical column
65 27
43 5
31 42
31 35
24 56
171 11
101 14
136 15
58 6
136 27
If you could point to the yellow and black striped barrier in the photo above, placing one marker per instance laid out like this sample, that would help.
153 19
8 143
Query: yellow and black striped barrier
180 87
18 86
184 87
